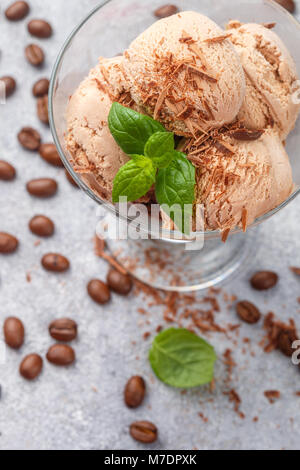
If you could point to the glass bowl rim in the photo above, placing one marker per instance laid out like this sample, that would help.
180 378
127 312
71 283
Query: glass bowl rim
208 234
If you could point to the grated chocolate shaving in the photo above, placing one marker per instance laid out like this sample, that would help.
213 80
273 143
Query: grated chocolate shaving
218 39
246 134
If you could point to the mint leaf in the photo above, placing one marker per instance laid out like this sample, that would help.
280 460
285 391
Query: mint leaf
131 130
181 359
134 179
175 188
159 148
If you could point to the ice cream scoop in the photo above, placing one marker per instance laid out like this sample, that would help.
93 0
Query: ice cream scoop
240 180
271 78
185 72
95 154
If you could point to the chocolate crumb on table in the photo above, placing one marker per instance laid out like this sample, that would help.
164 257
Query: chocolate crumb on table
272 395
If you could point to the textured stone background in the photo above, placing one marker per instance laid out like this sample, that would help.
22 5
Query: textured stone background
82 407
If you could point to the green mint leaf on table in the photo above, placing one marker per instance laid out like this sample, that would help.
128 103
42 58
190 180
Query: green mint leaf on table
181 359
130 129
175 188
160 148
134 179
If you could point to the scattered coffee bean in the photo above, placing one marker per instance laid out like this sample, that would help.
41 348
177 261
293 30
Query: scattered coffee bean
63 329
98 291
34 54
134 392
42 109
50 154
17 11
14 332
42 187
41 226
285 341
29 138
55 262
31 366
40 28
264 280
248 312
118 282
61 355
8 243
144 431
287 4
7 171
10 85
71 180
41 88
166 10
294 269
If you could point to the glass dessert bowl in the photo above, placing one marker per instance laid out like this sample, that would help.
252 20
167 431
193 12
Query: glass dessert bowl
162 258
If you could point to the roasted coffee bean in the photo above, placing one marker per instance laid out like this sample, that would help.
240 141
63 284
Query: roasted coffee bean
98 291
118 282
70 179
134 392
34 54
41 226
61 355
14 332
40 28
287 4
8 243
42 187
17 11
29 138
285 341
31 366
50 154
41 88
264 280
10 85
166 10
248 312
42 109
144 431
63 329
7 171
55 262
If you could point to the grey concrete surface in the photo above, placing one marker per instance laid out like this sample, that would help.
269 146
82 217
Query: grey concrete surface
82 407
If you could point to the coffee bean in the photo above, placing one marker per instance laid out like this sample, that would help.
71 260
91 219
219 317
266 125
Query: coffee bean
14 332
71 180
63 329
50 154
41 88
118 282
285 341
7 171
17 11
55 262
41 226
29 138
264 280
42 187
61 355
134 392
288 4
9 84
98 291
166 10
42 109
40 28
144 431
34 54
248 312
8 243
31 366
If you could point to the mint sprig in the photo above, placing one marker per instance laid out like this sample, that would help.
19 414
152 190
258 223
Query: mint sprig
153 160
